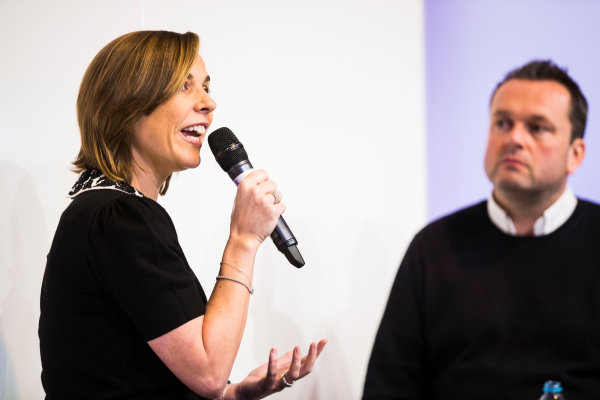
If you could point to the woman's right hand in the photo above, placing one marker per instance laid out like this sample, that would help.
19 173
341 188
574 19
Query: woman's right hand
255 209
269 377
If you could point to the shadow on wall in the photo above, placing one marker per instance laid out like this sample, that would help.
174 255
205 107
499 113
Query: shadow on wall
279 317
293 310
368 274
6 376
23 245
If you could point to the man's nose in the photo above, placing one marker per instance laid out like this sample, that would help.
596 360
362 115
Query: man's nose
518 133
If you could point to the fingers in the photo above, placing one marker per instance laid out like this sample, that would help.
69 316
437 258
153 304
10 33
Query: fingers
300 366
271 381
309 360
285 359
256 176
257 208
278 373
313 353
259 178
263 189
321 346
293 373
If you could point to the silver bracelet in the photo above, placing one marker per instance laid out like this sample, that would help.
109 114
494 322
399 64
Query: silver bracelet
250 289
236 268
224 390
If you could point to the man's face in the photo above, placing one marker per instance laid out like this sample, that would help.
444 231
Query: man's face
529 145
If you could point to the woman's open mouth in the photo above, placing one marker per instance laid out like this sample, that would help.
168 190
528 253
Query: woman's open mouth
193 134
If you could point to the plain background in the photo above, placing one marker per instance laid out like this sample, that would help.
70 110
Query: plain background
470 46
328 96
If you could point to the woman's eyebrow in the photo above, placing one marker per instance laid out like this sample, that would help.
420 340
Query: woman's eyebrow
191 76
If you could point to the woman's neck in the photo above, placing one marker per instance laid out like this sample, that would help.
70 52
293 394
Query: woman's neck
146 182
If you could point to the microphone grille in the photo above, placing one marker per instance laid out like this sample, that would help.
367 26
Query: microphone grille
226 147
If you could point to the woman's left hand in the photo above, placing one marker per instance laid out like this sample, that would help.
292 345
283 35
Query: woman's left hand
269 378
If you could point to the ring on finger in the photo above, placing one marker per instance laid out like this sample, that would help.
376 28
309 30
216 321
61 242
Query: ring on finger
286 383
277 197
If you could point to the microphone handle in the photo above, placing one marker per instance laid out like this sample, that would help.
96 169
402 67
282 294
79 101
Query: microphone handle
282 236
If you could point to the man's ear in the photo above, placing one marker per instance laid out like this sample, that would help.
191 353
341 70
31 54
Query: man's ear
576 154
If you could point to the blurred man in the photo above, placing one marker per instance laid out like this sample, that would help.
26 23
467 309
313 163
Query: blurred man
497 298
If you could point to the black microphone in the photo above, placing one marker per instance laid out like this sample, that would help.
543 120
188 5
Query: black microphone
232 157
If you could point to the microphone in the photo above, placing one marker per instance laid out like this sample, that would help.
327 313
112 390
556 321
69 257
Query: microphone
232 157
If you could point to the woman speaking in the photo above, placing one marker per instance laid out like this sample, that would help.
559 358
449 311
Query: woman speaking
122 314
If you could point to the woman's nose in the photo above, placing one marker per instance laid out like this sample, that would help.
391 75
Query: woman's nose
205 103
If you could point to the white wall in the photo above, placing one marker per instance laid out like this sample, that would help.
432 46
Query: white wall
327 95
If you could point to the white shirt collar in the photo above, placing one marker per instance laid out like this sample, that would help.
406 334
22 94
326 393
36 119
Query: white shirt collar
554 216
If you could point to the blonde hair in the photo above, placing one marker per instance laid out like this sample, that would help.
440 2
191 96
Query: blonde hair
126 80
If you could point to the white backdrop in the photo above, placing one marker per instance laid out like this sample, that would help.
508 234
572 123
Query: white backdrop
328 95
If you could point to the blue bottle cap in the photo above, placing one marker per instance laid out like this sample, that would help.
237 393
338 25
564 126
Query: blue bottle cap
552 387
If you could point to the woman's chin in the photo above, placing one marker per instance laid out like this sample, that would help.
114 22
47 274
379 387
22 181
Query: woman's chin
190 163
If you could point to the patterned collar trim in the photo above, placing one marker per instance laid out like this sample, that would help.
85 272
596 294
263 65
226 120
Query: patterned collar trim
92 179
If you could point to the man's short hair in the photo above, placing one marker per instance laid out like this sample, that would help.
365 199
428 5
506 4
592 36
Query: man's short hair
547 70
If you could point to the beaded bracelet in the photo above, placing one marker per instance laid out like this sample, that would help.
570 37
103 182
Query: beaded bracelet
250 289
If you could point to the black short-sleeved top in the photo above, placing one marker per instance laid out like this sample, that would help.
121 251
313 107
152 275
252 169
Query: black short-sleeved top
116 277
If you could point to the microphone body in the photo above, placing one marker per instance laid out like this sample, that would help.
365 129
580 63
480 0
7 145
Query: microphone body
227 150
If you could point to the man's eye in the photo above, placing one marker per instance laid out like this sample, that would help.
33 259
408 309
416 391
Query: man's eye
536 128
503 124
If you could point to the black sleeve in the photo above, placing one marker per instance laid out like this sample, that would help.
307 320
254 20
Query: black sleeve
134 254
397 366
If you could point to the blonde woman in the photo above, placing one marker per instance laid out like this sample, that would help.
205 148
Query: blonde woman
122 314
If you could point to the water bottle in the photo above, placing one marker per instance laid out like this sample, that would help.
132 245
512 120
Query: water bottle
552 391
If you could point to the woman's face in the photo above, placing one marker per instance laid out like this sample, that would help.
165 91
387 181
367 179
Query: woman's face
169 139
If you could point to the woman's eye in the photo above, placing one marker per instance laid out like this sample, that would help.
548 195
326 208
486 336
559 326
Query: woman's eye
207 89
